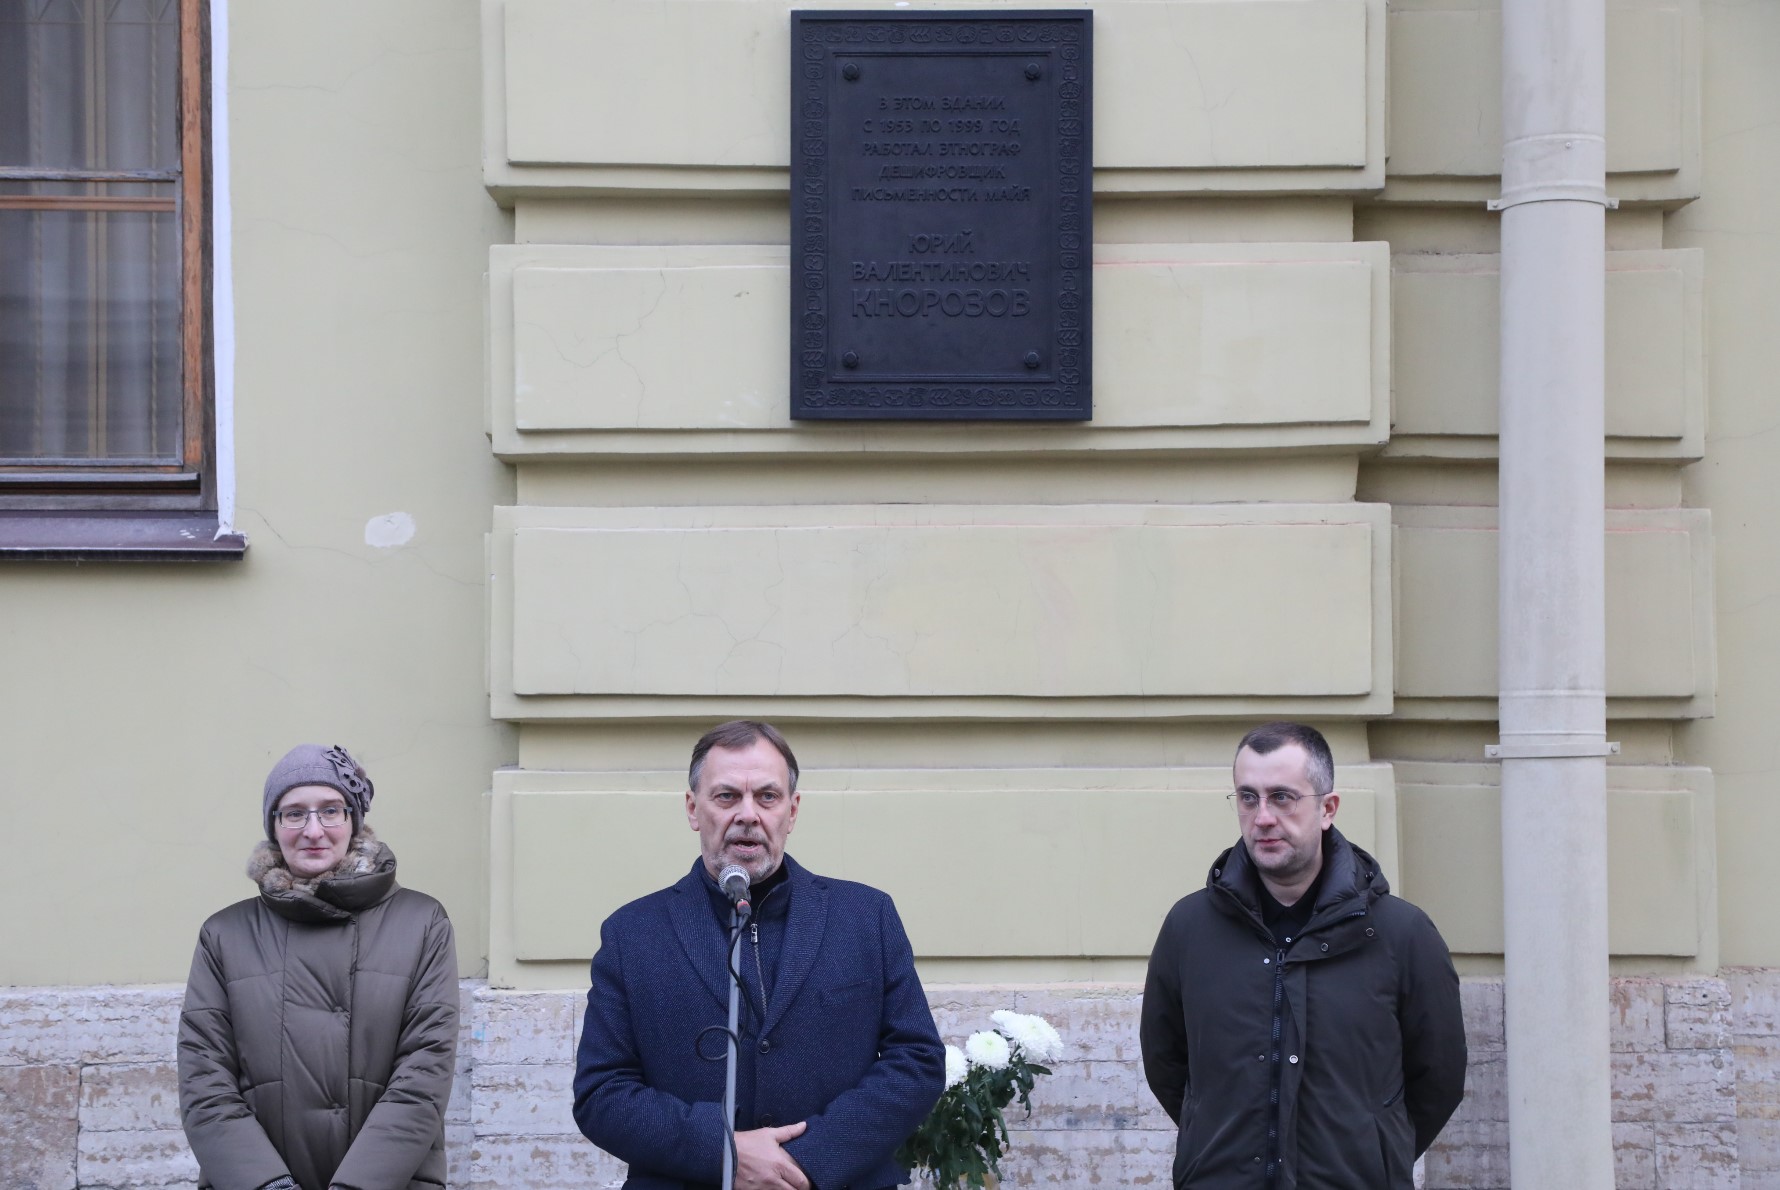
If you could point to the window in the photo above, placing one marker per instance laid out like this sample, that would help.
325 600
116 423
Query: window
106 425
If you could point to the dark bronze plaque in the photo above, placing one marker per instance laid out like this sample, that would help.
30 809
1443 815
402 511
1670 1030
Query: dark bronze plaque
940 221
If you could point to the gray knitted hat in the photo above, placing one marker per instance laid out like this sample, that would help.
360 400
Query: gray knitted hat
312 764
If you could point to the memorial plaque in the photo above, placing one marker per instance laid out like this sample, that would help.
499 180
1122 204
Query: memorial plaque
941 237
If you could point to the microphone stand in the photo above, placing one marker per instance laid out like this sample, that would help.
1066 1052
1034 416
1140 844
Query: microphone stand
738 917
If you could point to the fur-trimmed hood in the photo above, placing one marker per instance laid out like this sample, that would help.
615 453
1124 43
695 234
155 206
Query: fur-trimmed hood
365 876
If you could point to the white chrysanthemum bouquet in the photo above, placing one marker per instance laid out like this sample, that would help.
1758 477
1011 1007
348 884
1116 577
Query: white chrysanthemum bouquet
965 1134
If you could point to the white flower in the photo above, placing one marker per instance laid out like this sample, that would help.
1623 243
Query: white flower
956 1066
1050 1046
1033 1034
988 1049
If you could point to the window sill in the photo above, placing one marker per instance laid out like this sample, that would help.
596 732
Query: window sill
116 537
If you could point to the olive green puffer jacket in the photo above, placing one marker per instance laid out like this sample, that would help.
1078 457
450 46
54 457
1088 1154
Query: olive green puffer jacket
320 1032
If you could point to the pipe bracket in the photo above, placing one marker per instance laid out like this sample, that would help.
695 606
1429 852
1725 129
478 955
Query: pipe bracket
1554 192
1550 751
1561 166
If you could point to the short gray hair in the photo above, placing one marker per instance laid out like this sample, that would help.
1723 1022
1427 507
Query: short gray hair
733 736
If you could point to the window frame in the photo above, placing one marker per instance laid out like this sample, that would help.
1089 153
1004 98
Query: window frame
122 509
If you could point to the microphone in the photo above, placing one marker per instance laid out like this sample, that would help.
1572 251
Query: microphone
733 880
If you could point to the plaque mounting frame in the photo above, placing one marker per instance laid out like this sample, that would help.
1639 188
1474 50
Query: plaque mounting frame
921 375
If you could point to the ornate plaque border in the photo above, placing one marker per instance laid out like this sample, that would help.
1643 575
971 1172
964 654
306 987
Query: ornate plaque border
816 36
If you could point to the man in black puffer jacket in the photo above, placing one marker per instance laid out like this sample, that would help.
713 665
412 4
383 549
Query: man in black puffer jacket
1300 1024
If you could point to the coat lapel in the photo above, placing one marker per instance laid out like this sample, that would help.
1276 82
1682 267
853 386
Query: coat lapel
700 936
803 941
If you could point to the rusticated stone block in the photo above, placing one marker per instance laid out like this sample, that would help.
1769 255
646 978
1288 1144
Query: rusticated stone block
961 1011
1677 1087
1098 1021
1697 1157
457 1107
1635 1016
1758 1076
525 1028
39 1126
1083 1095
1083 1159
1474 1156
1151 1115
1697 1015
1755 1000
74 1026
156 1160
459 1140
1701 993
1634 1156
466 1020
1758 1150
523 1101
541 1163
129 1098
1486 1090
1691 1109
1469 1155
1481 1000
1695 1027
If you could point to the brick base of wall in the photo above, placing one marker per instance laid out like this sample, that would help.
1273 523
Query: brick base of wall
88 1093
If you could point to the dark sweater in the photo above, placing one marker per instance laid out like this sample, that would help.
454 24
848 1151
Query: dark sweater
763 938
1288 921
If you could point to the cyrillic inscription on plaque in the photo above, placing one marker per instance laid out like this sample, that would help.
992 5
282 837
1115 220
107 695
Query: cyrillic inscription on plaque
941 231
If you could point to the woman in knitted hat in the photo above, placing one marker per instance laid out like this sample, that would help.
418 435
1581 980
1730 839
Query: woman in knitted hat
319 1034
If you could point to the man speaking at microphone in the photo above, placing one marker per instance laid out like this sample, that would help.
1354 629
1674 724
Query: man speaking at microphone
838 1060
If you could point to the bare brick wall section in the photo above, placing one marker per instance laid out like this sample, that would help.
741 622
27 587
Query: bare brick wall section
88 1099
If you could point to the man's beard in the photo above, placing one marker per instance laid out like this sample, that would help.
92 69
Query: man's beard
758 863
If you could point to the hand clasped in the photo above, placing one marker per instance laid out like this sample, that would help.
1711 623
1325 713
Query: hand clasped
763 1162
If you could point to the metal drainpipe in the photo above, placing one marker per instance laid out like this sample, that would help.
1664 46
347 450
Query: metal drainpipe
1552 651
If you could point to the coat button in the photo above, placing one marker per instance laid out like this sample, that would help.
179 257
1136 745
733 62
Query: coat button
765 1046
1293 1059
1260 1057
1325 946
766 1119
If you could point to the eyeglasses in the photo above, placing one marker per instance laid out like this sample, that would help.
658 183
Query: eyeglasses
295 820
1280 801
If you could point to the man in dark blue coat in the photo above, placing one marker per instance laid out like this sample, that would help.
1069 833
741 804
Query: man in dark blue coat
838 1060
